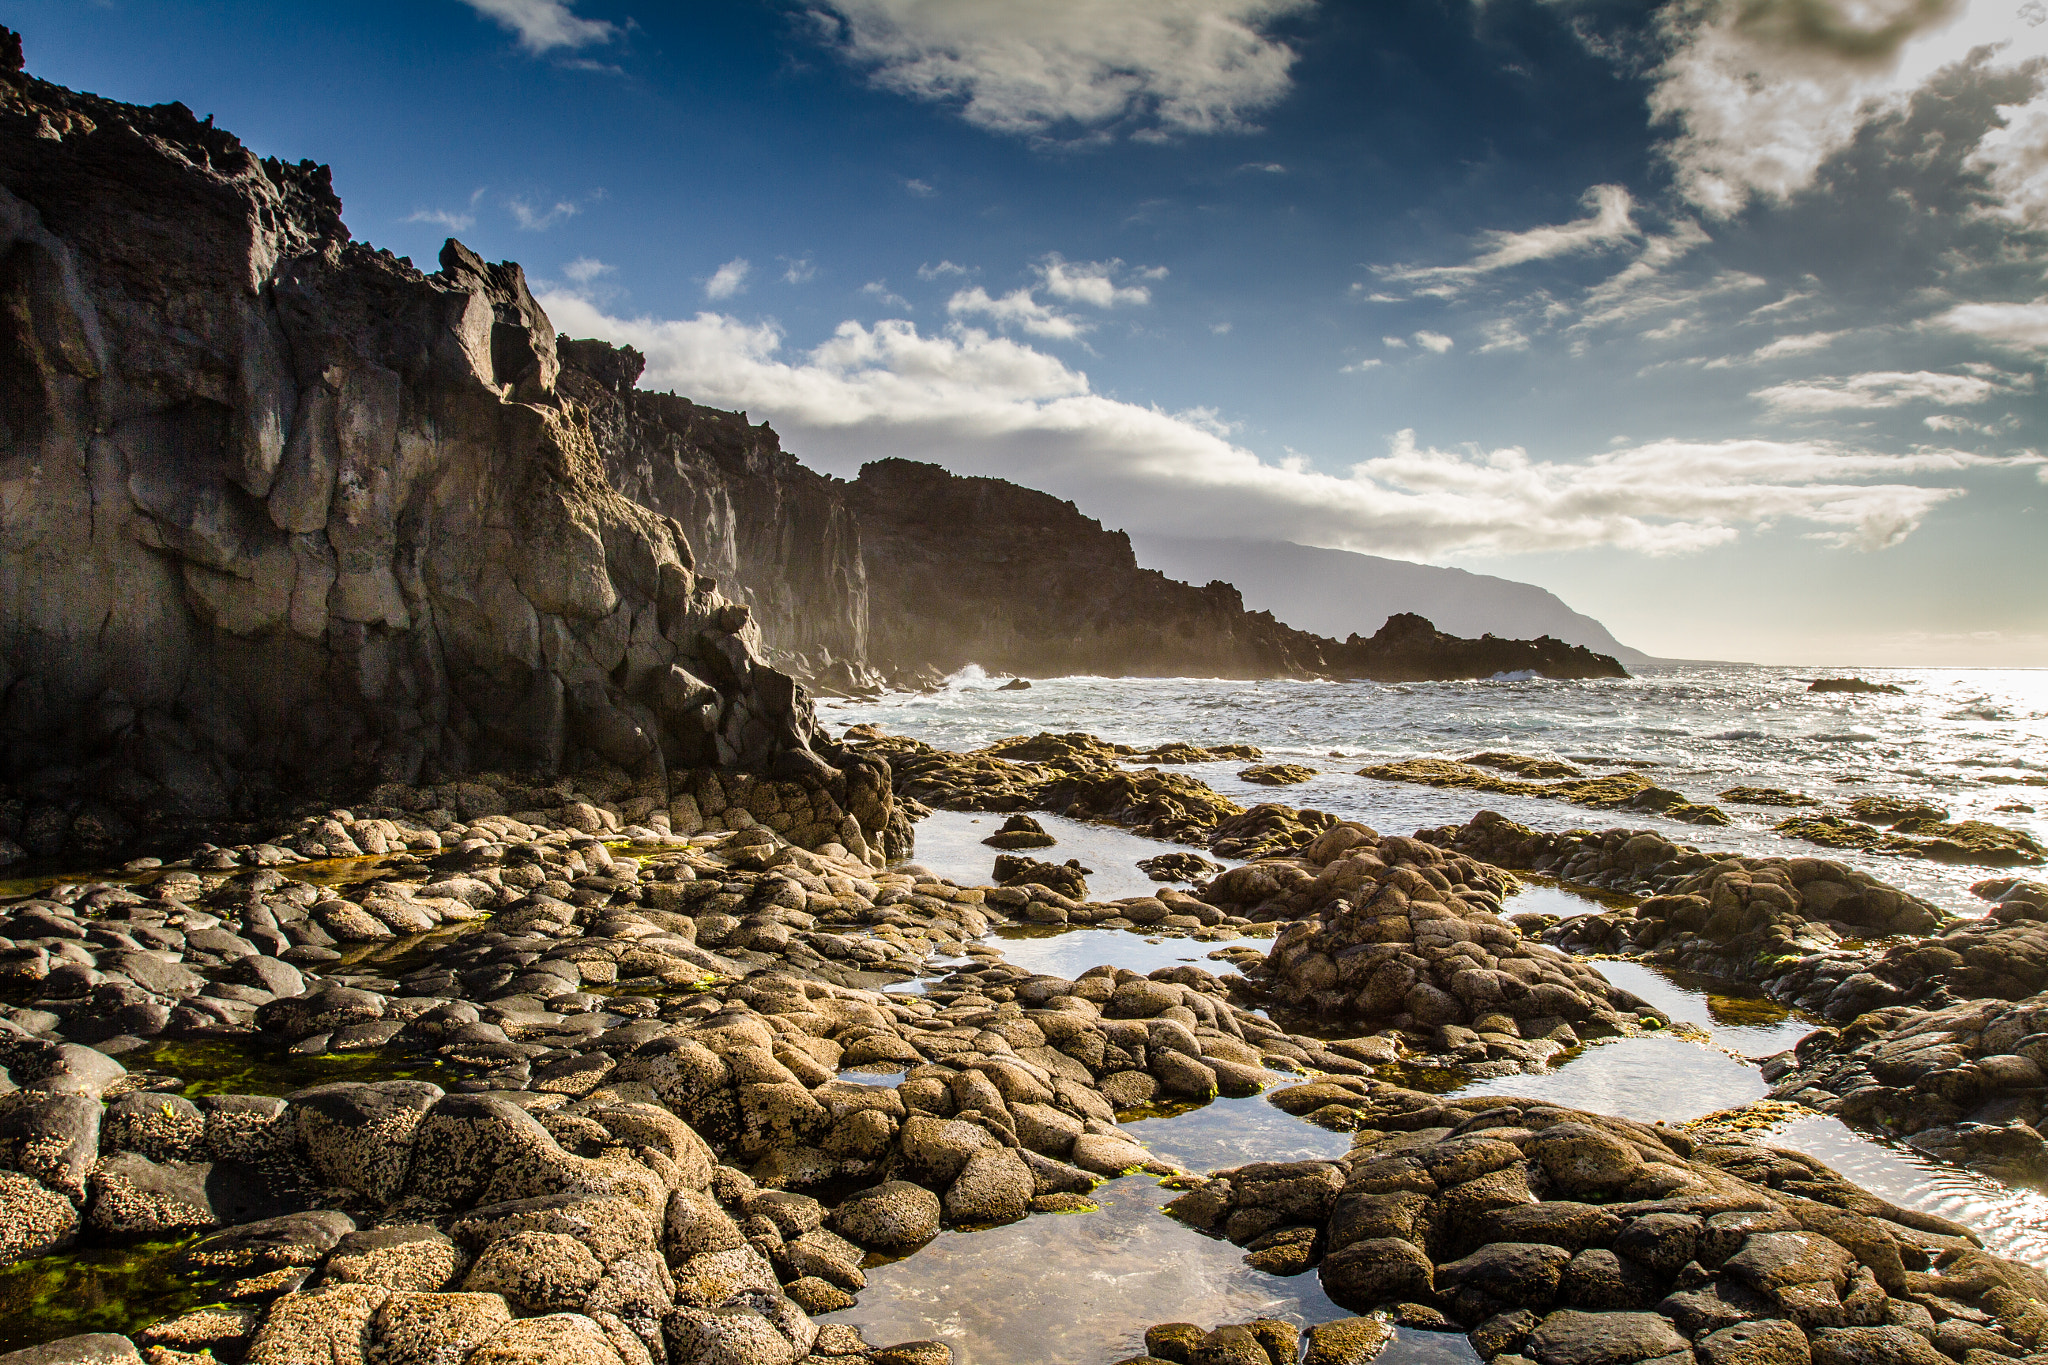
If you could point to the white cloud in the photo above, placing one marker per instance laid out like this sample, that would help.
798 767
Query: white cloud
1876 389
983 404
1361 366
1040 67
1017 309
1609 221
532 218
543 25
1502 334
879 290
729 279
2015 160
922 189
1645 295
1801 344
447 218
1396 342
1434 342
798 269
933 272
1763 92
2020 325
1094 282
585 269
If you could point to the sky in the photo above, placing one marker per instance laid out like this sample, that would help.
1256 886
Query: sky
1726 320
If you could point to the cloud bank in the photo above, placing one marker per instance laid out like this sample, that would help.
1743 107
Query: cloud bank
984 404
544 25
1761 93
1041 67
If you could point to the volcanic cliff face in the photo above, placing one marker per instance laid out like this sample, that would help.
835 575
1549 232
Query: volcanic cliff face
276 507
977 570
771 533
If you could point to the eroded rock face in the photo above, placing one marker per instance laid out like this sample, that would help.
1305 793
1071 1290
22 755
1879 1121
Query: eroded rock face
280 508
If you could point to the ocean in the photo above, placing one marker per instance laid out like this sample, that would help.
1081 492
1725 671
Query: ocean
1973 741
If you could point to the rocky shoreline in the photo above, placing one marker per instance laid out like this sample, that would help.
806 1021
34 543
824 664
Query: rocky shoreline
615 1087
494 960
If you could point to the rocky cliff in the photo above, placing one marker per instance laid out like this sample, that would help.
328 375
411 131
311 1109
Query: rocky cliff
771 533
978 570
279 510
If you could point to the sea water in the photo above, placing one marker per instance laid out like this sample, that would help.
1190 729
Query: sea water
1973 741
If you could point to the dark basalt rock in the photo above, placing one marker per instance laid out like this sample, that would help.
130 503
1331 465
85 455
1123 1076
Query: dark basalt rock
942 596
336 506
1853 685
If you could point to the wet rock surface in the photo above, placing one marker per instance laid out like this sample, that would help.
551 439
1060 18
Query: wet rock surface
1628 790
1552 1235
1397 933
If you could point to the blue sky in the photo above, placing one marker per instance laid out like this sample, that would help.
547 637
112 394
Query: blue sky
1726 321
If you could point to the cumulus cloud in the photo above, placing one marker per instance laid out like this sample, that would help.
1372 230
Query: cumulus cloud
985 404
1876 389
933 272
729 279
1017 309
1434 342
2023 326
1761 93
585 269
544 25
1609 221
1094 282
798 269
1044 67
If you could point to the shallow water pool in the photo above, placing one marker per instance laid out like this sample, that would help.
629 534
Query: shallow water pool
1082 1288
949 843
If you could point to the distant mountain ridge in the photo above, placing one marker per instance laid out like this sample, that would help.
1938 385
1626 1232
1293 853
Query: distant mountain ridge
1338 592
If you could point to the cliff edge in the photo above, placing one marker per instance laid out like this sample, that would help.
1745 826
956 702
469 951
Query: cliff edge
279 511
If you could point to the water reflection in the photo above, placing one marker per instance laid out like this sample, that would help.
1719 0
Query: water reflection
1736 1017
1082 1288
949 843
2011 1222
1646 1078
1069 952
1227 1132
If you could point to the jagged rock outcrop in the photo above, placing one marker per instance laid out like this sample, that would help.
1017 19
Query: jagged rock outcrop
276 507
773 534
978 570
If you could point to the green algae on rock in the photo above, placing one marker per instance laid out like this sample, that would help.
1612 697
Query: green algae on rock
1976 843
1767 796
98 1289
1611 791
1276 774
